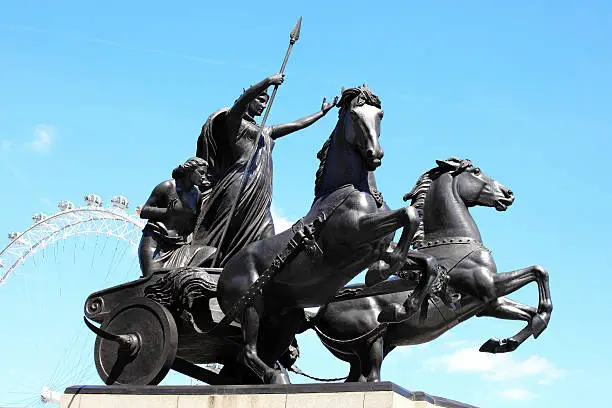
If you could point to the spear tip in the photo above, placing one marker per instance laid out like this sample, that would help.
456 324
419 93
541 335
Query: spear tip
295 33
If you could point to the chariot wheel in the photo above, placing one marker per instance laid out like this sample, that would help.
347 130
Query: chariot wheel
136 344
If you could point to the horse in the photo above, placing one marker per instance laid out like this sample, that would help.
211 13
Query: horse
351 238
350 329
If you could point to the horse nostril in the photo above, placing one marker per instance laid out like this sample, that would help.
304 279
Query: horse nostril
369 153
509 193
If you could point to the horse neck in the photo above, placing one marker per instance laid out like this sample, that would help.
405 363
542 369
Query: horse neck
344 165
445 214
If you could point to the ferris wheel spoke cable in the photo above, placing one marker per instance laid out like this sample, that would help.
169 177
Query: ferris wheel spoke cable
94 252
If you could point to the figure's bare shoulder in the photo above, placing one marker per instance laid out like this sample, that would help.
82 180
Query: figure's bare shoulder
160 193
165 186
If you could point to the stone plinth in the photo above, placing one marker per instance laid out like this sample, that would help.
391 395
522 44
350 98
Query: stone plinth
353 395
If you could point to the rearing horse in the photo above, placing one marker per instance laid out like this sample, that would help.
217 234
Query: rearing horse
350 328
351 239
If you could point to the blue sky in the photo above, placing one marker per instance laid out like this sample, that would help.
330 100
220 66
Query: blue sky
109 97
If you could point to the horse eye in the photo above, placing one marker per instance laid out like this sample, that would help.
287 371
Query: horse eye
476 171
382 114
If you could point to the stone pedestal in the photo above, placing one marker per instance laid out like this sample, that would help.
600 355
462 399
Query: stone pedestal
351 395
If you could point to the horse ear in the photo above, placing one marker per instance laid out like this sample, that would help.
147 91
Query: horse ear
453 162
445 164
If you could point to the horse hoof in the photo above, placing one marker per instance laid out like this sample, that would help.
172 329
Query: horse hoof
491 346
496 346
538 324
277 378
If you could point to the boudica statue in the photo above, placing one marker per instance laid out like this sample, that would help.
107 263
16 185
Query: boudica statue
219 286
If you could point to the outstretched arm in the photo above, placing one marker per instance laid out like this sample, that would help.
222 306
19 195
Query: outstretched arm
287 128
235 114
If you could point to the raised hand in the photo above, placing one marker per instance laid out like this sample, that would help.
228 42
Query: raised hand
276 79
325 107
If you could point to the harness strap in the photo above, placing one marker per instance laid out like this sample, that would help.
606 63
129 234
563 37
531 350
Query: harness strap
370 335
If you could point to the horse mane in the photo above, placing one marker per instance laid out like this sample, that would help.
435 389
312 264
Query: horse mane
420 189
350 98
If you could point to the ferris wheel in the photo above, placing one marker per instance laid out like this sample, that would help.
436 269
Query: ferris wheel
46 272
70 221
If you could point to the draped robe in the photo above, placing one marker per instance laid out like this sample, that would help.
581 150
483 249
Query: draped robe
252 219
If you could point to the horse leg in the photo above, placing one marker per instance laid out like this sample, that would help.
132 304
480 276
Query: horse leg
395 313
394 260
371 361
508 282
378 225
355 371
504 308
251 319
381 224
278 336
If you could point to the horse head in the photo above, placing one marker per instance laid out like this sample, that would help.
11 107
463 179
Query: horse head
442 196
360 115
474 187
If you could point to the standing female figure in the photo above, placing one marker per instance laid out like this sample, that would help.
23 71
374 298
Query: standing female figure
228 137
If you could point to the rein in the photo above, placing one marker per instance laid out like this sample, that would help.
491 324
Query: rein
297 370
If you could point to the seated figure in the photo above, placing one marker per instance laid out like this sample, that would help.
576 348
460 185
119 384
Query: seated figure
172 211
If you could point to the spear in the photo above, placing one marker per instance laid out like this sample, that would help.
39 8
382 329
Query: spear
293 37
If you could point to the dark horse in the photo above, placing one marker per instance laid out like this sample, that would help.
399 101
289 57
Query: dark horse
352 238
349 328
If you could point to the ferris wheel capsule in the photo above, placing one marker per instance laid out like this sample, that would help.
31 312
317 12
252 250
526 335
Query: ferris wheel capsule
93 200
38 217
65 205
120 202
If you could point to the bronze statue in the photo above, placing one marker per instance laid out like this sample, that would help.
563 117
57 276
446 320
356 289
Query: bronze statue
227 139
469 284
245 310
171 211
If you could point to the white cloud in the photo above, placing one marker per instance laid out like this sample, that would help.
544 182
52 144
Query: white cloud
497 367
44 135
280 222
517 394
